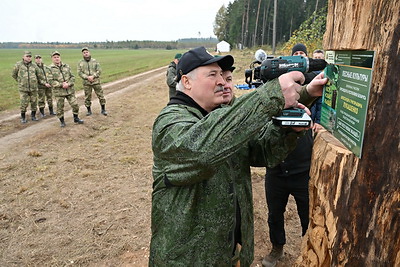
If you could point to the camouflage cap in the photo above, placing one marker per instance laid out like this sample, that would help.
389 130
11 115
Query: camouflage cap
27 53
55 53
85 48
38 56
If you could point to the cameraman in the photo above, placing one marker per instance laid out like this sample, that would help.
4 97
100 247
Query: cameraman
289 177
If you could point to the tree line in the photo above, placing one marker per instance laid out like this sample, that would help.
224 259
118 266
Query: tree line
250 23
128 44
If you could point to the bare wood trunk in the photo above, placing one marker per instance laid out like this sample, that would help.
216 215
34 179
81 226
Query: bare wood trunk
355 203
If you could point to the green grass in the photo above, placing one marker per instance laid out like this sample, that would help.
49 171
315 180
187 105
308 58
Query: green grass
116 64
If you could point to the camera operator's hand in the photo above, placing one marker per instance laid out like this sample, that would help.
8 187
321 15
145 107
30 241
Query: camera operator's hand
290 84
315 87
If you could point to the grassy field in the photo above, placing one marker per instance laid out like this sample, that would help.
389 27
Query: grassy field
115 64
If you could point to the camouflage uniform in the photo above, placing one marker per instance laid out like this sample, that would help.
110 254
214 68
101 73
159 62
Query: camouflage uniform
28 77
171 75
91 68
201 175
45 93
58 75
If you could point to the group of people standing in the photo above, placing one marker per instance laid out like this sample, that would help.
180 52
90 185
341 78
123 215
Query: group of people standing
204 143
38 83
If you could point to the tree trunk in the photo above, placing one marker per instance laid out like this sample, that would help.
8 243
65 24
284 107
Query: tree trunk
274 27
355 203
255 27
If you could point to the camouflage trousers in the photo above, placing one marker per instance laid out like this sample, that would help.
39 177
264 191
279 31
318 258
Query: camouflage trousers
88 89
72 102
43 95
26 98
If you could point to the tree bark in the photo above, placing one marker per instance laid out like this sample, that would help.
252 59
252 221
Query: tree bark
355 203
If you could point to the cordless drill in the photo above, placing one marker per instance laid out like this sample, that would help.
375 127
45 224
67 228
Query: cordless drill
272 68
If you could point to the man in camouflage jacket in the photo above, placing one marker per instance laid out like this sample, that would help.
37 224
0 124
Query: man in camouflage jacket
62 80
44 92
89 70
202 198
171 75
28 77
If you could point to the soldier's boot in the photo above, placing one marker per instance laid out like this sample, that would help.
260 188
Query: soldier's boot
42 112
89 111
33 116
103 110
62 122
77 120
272 258
23 119
51 111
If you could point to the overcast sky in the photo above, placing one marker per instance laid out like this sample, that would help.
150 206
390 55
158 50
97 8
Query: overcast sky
116 20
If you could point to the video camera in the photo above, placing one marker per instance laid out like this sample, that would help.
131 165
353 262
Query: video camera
273 67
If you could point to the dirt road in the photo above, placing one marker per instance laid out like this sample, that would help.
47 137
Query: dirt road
81 195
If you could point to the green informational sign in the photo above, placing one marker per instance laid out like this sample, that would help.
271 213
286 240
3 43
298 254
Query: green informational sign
345 97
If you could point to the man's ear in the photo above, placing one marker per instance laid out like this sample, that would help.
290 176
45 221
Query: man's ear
186 82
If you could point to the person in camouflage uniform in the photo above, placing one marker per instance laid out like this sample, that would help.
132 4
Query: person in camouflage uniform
62 80
89 70
202 198
28 77
171 75
44 92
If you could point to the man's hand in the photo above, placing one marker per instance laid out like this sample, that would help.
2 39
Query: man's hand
290 84
90 78
315 87
299 129
65 85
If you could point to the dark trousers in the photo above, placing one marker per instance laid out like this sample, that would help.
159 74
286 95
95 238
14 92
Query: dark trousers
278 189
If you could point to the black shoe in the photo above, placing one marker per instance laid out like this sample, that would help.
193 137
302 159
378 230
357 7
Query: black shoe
23 119
42 112
62 124
51 111
89 111
77 120
33 116
103 110
272 258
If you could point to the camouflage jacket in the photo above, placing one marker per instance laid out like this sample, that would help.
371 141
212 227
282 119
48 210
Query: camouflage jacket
201 174
171 75
58 75
28 76
89 68
45 72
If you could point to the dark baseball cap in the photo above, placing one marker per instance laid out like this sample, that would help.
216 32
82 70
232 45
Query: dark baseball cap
197 57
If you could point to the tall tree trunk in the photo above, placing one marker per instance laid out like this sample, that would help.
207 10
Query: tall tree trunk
355 203
246 33
255 27
274 27
243 20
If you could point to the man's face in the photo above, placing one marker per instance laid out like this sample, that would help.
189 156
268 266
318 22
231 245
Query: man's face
56 59
207 87
318 56
299 53
38 60
86 53
228 88
27 58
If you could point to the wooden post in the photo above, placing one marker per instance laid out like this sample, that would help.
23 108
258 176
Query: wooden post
355 203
